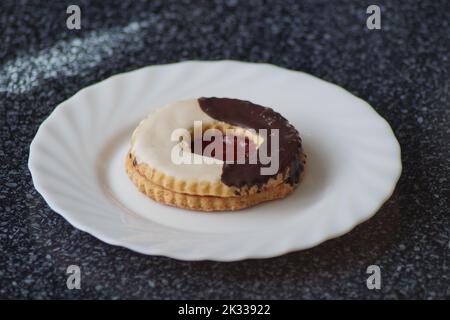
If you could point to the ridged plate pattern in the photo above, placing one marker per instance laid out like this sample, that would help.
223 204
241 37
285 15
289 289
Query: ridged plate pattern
77 162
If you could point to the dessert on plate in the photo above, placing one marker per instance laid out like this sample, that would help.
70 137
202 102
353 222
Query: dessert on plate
215 154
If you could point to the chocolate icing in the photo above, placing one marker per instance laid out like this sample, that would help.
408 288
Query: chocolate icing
252 116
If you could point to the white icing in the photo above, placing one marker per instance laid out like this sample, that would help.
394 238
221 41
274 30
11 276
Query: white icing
153 144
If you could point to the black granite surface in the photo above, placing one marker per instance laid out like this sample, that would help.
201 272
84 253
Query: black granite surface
402 71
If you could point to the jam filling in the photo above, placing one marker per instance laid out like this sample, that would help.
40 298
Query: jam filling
234 148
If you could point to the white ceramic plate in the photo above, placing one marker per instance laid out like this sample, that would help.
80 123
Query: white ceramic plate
77 163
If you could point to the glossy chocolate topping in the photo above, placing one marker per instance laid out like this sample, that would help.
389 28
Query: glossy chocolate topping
252 116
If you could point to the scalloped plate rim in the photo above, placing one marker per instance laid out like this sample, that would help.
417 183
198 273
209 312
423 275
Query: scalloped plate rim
209 256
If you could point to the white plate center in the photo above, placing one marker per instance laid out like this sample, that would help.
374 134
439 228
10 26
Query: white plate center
274 214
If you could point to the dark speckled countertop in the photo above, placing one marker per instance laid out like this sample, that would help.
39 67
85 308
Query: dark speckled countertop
402 71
